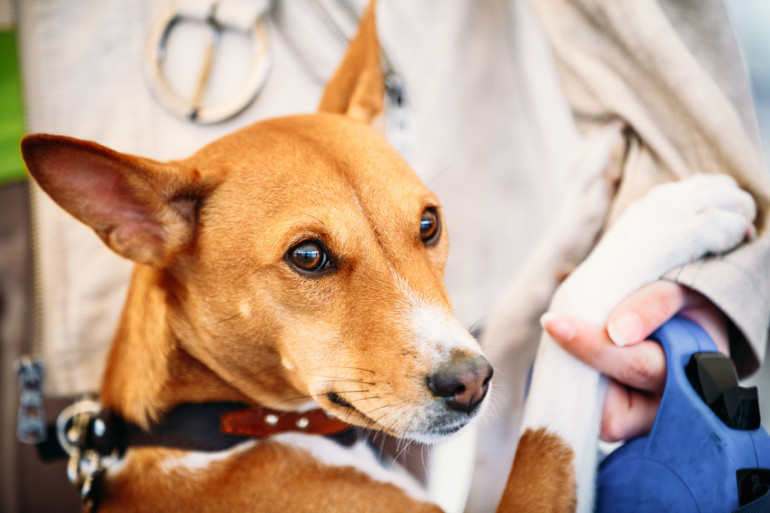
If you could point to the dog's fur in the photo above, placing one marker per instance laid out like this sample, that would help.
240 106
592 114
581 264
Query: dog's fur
216 311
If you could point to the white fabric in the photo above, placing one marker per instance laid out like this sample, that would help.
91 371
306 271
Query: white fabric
194 9
241 14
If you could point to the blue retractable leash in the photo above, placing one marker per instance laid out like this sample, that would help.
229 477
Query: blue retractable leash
706 452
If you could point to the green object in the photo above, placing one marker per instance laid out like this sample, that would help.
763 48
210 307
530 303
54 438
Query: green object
11 111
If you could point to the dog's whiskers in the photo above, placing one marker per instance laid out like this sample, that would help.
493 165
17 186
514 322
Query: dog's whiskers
349 392
353 368
308 397
376 422
209 325
387 405
400 453
253 374
367 398
332 379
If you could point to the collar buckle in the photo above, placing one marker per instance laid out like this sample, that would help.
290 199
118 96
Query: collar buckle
79 429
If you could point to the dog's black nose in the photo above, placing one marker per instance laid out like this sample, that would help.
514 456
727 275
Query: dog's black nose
462 383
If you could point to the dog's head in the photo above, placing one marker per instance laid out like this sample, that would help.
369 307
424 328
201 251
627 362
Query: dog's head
298 259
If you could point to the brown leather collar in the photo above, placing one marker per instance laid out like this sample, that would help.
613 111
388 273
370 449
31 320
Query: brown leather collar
260 421
213 426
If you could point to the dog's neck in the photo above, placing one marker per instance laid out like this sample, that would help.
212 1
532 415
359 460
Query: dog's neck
148 370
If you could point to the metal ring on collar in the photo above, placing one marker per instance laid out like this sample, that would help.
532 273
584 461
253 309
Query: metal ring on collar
73 421
192 109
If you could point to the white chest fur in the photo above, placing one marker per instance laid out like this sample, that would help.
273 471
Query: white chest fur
360 458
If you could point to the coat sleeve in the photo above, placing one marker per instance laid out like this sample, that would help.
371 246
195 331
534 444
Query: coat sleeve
673 71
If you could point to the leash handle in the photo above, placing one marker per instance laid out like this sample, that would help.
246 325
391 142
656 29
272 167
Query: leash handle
706 443
699 377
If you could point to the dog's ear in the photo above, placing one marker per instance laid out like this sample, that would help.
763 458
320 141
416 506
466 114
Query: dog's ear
143 210
356 89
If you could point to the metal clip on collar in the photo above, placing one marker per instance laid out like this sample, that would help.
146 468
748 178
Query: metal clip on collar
31 421
86 464
243 16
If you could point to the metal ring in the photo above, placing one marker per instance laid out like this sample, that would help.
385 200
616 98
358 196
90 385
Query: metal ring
192 110
68 417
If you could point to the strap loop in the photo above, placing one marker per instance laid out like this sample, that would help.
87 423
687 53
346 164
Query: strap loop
246 17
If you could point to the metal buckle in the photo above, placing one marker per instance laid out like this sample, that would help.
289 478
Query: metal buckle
85 465
193 109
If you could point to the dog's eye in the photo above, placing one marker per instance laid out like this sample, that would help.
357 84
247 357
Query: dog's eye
430 226
308 256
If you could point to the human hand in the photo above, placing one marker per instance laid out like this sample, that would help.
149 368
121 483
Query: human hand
636 366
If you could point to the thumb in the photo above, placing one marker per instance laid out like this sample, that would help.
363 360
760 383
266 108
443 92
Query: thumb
644 311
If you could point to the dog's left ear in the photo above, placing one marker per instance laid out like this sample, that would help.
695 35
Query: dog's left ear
356 89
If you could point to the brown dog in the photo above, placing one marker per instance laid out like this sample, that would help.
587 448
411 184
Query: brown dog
291 267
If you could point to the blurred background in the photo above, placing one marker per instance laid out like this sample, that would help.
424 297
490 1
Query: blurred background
751 20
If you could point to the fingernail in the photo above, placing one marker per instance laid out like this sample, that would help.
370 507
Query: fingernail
557 328
626 329
546 318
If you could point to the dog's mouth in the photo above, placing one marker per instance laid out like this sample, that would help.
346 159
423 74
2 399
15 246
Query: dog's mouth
443 427
438 432
367 421
339 401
